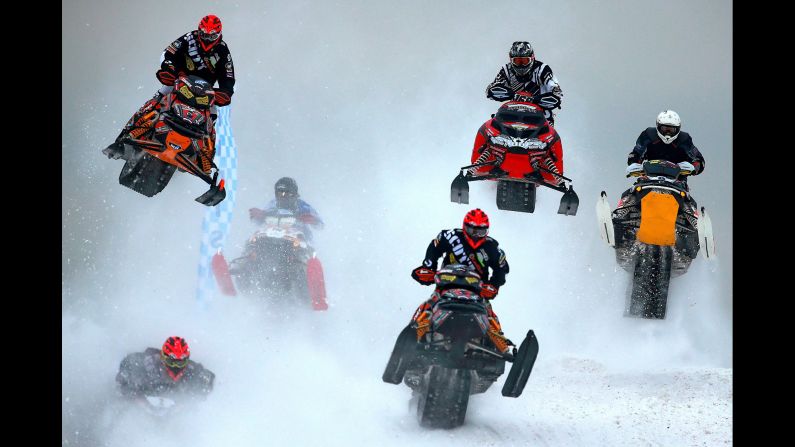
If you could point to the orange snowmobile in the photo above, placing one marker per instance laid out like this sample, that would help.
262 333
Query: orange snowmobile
170 132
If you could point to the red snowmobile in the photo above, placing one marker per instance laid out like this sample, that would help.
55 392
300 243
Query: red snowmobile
520 150
278 261
170 132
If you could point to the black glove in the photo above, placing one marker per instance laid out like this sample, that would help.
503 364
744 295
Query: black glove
500 93
423 275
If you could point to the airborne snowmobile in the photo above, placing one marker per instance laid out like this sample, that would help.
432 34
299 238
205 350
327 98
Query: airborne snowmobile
520 150
167 133
455 358
656 233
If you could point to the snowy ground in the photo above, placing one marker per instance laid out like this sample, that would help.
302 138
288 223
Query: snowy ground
319 388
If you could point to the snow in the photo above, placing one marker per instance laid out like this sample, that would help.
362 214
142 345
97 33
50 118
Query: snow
377 105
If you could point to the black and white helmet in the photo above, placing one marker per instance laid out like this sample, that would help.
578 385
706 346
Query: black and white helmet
668 125
522 57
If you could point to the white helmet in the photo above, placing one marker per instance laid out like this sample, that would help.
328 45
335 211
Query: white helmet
668 125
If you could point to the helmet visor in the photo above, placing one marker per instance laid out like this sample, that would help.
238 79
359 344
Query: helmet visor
209 37
668 131
476 232
521 61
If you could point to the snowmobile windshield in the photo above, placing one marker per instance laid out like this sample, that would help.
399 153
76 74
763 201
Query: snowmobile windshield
457 278
194 91
661 167
534 118
460 294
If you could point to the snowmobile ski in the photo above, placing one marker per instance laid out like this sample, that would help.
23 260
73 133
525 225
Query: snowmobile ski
522 366
222 276
705 237
604 216
459 189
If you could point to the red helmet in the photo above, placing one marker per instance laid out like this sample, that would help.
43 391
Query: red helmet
174 355
476 227
209 31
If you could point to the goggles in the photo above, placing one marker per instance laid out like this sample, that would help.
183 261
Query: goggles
284 194
668 130
209 37
172 362
521 61
476 232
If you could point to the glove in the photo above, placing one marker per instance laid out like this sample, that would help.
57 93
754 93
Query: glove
222 98
166 77
686 167
423 275
500 93
634 170
488 291
256 214
307 218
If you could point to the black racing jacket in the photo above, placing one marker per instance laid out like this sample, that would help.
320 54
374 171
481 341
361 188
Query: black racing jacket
142 373
650 146
452 247
185 55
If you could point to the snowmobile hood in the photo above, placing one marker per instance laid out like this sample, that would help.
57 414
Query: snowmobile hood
520 119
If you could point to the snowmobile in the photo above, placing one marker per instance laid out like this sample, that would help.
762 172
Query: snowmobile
520 150
455 357
167 133
278 259
656 234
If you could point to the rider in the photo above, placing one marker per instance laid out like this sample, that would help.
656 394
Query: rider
287 198
526 74
201 52
666 141
165 370
470 246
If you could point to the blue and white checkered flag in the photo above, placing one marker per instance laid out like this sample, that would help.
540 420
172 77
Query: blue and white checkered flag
215 226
